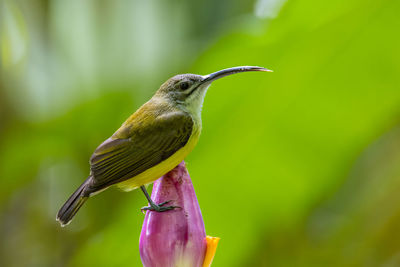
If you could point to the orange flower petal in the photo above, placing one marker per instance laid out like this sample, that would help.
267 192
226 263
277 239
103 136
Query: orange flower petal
212 243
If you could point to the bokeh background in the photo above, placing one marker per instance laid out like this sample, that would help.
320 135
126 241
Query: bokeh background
300 167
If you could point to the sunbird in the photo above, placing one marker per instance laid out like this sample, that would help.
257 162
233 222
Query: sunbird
151 142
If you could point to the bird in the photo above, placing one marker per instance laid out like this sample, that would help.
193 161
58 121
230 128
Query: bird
151 142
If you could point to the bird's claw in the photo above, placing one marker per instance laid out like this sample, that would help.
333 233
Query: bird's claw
159 207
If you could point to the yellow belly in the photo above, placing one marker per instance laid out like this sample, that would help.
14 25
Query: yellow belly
162 168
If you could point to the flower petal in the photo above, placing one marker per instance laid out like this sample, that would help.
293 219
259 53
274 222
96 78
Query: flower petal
175 237
212 243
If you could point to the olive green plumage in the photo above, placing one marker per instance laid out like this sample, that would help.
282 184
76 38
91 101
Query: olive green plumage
151 142
130 152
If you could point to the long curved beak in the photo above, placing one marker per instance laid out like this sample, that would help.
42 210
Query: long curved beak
222 73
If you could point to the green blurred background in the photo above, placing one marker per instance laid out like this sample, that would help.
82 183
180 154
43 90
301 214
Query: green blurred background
300 167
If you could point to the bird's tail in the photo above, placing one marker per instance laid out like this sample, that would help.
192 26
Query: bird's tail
71 207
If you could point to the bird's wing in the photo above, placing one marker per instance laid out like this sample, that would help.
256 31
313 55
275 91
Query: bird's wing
117 160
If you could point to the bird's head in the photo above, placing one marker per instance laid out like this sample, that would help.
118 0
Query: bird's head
188 90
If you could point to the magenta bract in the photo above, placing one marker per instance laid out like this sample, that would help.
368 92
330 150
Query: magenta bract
176 237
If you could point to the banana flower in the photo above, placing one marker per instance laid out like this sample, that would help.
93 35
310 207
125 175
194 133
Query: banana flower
176 238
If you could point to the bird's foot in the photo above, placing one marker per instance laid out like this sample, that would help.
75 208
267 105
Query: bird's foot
159 208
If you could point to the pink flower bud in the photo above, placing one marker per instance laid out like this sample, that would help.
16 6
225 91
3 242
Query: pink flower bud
175 237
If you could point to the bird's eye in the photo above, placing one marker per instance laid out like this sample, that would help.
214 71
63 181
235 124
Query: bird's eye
184 85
